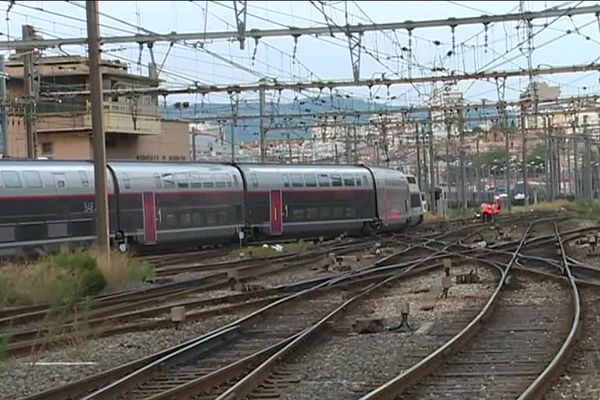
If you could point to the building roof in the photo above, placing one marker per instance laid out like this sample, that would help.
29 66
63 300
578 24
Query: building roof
73 66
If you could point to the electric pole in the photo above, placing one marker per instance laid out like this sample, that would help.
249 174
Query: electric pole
432 204
102 226
28 70
263 131
418 156
3 97
463 172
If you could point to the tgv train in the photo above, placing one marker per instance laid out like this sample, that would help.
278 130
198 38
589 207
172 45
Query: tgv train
44 204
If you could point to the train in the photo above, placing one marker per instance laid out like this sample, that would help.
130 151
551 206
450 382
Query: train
46 204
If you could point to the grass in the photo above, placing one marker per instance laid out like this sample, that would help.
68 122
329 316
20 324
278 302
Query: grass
580 209
263 252
66 278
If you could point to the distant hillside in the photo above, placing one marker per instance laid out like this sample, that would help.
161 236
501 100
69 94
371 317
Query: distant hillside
248 129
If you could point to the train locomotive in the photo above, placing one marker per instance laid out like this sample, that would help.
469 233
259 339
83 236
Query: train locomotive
48 203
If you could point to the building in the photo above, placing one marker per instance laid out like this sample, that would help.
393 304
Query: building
63 124
446 102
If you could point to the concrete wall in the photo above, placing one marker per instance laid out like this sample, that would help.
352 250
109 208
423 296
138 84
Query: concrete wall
173 143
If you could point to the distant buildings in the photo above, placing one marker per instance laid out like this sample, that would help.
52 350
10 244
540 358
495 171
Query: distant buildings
445 102
62 125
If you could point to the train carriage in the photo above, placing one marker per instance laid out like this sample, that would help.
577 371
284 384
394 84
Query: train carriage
178 202
393 197
46 204
308 199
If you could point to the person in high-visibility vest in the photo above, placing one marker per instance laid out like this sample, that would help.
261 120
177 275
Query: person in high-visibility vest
485 211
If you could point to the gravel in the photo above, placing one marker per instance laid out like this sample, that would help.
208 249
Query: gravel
24 376
339 368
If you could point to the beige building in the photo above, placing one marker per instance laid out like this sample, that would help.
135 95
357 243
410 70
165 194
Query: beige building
62 125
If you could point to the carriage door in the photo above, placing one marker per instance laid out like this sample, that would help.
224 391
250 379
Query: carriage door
149 218
276 214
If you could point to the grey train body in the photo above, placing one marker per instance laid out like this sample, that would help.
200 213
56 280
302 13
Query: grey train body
48 204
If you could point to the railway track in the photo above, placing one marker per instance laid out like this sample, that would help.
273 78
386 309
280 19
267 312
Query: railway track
75 388
513 350
415 254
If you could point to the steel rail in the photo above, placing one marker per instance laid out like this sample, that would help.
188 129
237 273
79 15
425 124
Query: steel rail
537 388
424 367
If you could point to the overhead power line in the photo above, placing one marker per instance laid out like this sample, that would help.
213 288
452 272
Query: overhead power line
329 84
258 34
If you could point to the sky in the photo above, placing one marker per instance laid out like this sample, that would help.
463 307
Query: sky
557 41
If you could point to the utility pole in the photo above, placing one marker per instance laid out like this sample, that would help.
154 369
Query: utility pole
587 162
575 156
28 70
263 131
524 166
3 96
478 170
193 144
461 153
102 226
418 157
501 89
432 204
549 192
528 28
235 103
449 135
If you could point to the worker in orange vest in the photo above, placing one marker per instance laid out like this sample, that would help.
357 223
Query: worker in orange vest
485 211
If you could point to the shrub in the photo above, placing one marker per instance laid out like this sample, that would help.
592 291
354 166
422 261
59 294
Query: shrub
122 268
62 279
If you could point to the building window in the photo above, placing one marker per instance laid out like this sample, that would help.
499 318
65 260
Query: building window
47 147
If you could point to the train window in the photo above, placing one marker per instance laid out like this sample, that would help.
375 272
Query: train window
207 181
185 219
254 180
298 214
198 218
168 181
85 182
32 178
365 180
286 181
11 179
126 181
411 179
358 180
310 180
195 180
348 180
219 181
228 179
157 181
312 214
336 180
182 180
415 200
235 181
296 180
323 180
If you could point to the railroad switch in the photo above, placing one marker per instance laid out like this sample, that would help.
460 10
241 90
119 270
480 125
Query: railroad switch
405 312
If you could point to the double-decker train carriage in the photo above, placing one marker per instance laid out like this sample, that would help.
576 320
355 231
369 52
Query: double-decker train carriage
416 204
45 204
298 199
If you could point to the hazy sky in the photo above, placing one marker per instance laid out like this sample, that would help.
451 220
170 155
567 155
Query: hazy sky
326 57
